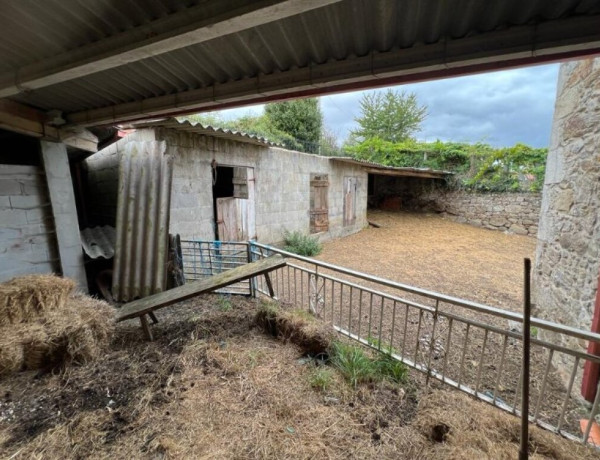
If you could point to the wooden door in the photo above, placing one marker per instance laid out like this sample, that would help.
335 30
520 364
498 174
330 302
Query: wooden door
236 220
319 204
350 186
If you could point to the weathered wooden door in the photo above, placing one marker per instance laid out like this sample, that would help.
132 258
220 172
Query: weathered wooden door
350 186
236 215
319 207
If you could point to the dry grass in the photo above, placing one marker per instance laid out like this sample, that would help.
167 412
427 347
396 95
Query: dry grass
296 326
461 428
29 297
212 385
56 332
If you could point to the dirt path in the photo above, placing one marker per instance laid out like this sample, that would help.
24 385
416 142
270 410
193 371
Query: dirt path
429 252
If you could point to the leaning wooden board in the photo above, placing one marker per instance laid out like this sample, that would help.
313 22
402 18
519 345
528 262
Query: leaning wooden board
141 307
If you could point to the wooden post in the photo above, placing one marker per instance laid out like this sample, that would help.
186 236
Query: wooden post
524 448
269 285
146 328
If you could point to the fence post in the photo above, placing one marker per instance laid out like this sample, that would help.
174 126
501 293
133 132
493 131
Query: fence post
252 280
524 449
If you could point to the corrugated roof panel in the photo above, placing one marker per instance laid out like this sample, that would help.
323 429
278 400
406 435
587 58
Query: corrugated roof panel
99 242
145 175
199 128
334 32
373 165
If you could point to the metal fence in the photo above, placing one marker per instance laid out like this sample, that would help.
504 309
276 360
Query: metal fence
468 346
202 259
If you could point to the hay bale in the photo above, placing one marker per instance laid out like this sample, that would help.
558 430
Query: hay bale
77 333
298 327
11 356
27 298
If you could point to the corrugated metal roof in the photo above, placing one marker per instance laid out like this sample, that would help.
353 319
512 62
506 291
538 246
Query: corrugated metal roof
143 204
373 167
207 130
99 242
32 31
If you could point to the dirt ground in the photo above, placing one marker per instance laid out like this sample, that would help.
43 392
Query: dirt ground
433 253
213 385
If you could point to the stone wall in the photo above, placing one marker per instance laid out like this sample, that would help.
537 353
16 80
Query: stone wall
514 212
568 256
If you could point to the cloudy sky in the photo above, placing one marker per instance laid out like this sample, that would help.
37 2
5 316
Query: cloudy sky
499 108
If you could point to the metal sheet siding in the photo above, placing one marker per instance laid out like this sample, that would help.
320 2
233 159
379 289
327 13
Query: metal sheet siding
335 32
145 176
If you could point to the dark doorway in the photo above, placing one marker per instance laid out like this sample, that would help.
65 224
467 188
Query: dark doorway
222 188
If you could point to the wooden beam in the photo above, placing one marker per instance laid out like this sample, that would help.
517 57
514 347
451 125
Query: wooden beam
31 122
209 20
396 172
516 46
148 304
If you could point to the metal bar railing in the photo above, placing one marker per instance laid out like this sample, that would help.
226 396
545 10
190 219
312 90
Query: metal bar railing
455 346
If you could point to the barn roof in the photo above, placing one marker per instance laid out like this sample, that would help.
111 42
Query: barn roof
376 168
111 61
207 130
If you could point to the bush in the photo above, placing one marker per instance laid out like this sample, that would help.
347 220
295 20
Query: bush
303 245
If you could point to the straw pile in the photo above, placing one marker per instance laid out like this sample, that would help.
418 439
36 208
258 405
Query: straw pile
44 326
298 327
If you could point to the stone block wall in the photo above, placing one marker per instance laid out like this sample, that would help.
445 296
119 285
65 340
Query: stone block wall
513 212
568 251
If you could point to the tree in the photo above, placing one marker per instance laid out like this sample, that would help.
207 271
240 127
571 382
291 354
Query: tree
391 116
302 119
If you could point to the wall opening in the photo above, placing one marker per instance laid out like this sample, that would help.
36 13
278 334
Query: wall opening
233 203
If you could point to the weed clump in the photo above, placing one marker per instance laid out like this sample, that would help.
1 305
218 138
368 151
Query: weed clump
358 367
303 245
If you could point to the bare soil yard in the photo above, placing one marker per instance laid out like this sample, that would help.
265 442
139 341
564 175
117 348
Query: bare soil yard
433 253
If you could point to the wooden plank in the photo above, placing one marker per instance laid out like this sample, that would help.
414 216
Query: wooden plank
148 304
146 328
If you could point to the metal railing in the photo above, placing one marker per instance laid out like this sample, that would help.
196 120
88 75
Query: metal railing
465 345
202 259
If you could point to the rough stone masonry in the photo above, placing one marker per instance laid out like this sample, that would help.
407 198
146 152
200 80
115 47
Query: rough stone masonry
568 256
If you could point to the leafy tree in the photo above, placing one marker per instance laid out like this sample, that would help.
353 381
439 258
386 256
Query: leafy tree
329 144
302 119
391 116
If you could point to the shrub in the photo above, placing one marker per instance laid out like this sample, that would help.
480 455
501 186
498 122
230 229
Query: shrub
303 245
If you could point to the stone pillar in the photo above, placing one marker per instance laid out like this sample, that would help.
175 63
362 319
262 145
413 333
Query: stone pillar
568 256
64 211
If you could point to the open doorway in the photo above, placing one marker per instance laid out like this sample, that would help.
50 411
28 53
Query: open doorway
233 203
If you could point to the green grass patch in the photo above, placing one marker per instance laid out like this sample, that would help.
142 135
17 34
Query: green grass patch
301 244
358 367
224 303
321 378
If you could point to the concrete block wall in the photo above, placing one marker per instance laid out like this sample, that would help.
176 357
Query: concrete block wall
27 233
102 170
282 181
282 185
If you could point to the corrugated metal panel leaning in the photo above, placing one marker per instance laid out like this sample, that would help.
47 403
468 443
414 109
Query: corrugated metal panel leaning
145 176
